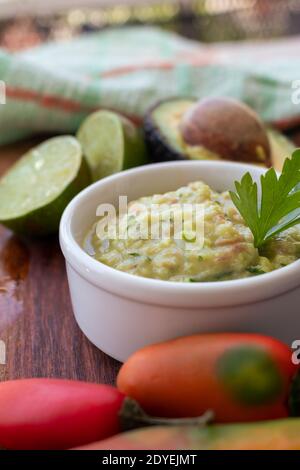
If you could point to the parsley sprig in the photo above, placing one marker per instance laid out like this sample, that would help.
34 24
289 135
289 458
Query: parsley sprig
276 207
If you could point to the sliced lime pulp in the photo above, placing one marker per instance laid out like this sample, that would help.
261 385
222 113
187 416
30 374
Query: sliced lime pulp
35 191
110 143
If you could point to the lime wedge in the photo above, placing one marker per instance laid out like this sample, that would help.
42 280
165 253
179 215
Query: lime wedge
36 190
110 143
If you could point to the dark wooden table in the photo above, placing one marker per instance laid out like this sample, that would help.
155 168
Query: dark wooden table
36 319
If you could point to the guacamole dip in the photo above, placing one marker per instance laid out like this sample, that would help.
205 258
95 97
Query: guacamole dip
225 252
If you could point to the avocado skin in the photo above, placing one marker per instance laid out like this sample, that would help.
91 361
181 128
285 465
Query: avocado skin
157 144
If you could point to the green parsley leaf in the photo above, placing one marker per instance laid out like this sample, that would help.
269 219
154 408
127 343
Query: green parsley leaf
278 206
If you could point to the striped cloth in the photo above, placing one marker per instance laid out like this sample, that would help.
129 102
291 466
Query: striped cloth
53 87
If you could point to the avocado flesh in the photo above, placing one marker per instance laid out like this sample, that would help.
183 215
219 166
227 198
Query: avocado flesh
281 148
165 143
163 137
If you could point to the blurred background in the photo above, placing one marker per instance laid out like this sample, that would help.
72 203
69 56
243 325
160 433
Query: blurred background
25 23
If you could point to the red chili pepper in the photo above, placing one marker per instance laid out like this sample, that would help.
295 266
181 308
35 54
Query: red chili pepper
241 377
56 414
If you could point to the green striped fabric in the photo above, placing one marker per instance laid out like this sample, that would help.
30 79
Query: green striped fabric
53 87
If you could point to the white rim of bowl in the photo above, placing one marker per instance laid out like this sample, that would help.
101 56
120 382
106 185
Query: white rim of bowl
170 293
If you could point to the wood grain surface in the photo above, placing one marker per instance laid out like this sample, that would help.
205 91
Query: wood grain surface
36 319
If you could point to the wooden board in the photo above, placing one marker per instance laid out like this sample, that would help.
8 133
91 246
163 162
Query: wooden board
36 319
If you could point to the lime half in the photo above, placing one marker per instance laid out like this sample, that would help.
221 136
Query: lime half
110 143
36 190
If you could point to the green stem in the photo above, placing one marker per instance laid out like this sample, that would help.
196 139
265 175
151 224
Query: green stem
132 416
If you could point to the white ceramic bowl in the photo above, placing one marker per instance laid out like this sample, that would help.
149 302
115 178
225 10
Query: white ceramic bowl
120 312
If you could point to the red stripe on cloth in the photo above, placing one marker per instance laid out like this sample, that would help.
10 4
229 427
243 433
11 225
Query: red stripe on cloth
193 60
127 69
47 101
57 102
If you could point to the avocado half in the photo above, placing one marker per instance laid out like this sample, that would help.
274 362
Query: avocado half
165 142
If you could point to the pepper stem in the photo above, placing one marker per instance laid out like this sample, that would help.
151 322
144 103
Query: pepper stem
132 416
